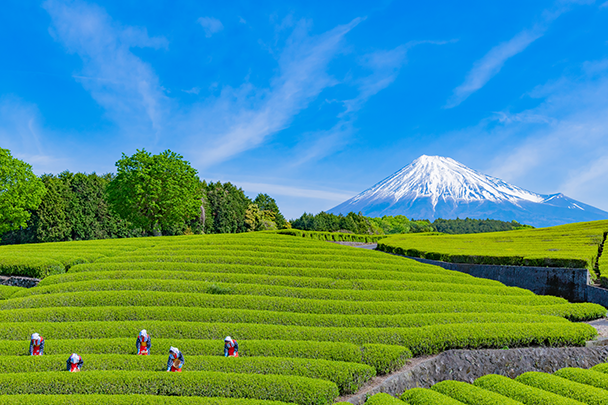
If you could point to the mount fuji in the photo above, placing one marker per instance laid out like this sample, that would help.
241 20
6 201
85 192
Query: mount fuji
439 187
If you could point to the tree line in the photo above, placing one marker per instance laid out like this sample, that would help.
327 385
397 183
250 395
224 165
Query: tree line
388 225
149 195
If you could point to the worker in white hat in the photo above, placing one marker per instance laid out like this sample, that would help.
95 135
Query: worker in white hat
144 343
231 347
176 360
36 345
74 363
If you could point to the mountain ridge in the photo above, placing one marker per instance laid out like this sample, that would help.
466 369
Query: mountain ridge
439 187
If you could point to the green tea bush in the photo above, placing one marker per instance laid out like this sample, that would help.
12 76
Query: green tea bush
285 280
36 267
471 394
413 302
269 290
422 396
588 377
521 392
602 368
347 376
217 315
165 270
301 390
383 399
566 388
96 399
421 340
384 358
7 290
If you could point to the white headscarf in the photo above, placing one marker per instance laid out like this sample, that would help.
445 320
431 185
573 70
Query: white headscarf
74 358
228 339
36 337
143 333
173 350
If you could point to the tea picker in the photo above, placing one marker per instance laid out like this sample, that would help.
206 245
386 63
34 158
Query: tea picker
143 343
74 363
231 347
36 345
176 360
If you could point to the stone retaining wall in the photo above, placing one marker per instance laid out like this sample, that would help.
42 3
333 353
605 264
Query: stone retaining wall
26 282
468 365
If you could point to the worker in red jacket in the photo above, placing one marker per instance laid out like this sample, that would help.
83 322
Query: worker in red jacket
74 363
144 343
231 347
36 345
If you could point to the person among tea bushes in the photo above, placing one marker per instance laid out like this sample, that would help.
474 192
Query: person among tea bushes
231 347
176 360
143 343
74 363
36 345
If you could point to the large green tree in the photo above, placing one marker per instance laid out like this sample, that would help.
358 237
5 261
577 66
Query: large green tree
267 203
155 192
20 192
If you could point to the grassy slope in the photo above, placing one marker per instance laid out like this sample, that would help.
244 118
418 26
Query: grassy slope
572 245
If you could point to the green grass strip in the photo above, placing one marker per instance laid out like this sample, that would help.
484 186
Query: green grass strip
383 399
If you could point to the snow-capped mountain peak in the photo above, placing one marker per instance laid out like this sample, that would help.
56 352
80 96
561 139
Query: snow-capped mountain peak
439 187
443 178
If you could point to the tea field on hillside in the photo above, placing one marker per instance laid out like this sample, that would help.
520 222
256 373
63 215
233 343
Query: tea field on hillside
572 245
313 320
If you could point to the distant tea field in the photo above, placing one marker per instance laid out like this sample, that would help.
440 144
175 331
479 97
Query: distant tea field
572 245
314 320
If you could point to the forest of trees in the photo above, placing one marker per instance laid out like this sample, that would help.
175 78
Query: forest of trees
388 225
150 195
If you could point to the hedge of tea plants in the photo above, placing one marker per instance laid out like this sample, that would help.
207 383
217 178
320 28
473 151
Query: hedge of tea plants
568 386
313 319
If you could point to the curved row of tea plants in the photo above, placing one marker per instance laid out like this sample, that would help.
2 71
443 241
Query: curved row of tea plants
568 386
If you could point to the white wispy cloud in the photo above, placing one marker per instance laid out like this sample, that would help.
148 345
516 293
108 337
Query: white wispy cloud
210 25
250 115
384 66
124 85
566 140
291 191
604 5
488 66
492 62
216 129
23 134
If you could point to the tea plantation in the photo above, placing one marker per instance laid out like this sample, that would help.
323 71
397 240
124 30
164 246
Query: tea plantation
313 320
572 245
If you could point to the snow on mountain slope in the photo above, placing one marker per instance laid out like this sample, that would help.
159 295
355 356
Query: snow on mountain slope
439 187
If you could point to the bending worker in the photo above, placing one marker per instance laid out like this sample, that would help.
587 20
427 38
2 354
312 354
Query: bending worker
231 347
144 343
36 345
74 363
176 360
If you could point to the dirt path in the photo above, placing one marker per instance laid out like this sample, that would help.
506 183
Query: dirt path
602 327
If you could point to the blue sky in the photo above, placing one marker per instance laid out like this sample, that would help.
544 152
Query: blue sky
312 102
